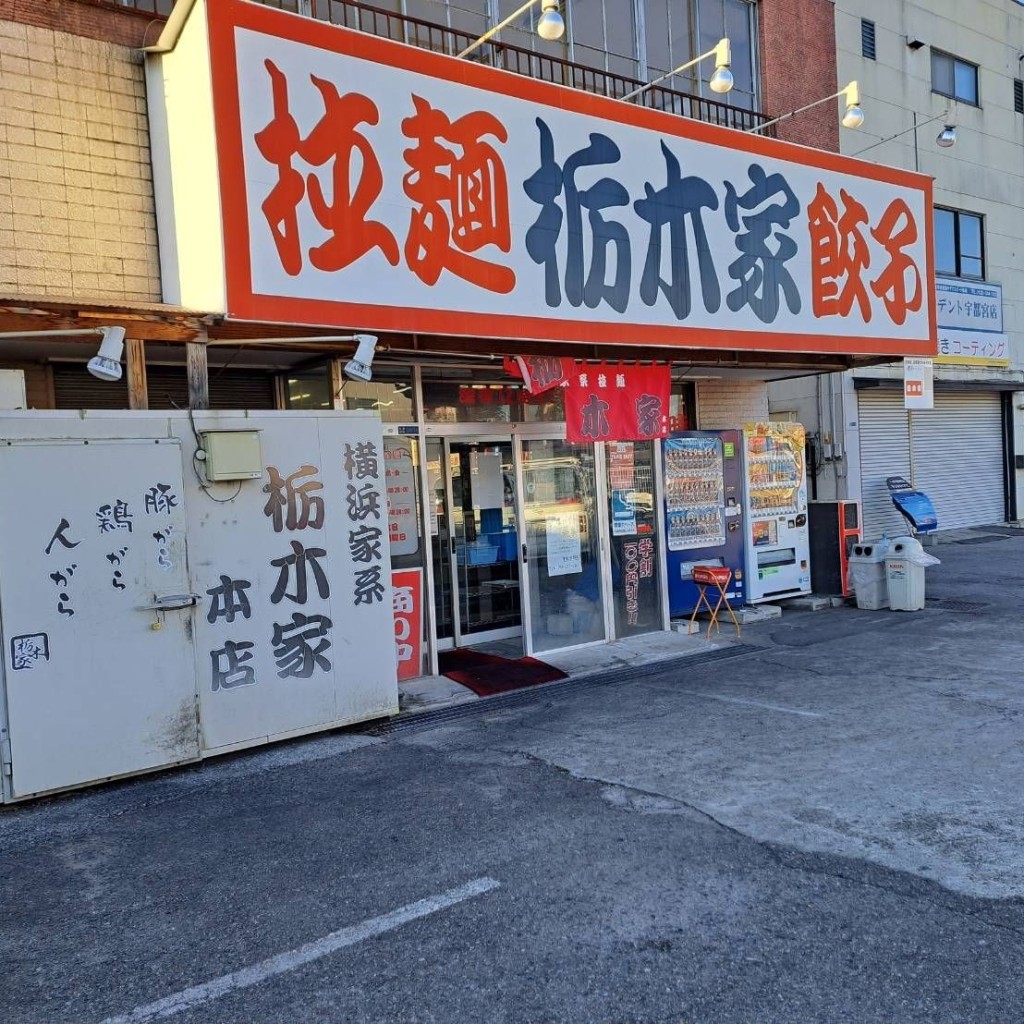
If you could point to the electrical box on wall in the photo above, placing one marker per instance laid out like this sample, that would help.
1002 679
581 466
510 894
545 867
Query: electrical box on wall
232 455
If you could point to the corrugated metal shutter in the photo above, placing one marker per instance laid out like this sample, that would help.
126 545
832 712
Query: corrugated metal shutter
884 452
76 388
958 458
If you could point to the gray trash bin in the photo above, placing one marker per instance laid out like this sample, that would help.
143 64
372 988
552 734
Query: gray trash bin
867 574
905 563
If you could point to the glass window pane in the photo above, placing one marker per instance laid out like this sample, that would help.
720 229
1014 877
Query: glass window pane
389 394
564 566
620 27
970 267
738 19
942 73
945 242
485 396
308 390
588 24
970 235
656 23
965 82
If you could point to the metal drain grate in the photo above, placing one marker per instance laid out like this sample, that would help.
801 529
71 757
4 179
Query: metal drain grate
955 605
549 691
978 540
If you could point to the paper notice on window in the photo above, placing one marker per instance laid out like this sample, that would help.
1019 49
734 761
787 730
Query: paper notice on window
563 539
487 481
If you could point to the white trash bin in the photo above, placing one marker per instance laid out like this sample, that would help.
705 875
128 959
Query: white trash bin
904 574
867 574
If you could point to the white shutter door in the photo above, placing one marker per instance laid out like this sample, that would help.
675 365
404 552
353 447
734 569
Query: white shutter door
958 458
884 452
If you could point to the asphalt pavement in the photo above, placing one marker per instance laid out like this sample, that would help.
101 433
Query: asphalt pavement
825 826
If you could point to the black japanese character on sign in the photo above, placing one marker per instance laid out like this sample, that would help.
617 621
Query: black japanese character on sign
293 650
160 499
163 554
368 586
114 517
361 461
115 558
229 665
363 502
293 506
62 581
648 415
595 420
298 559
364 543
229 599
680 200
760 271
544 187
28 650
58 536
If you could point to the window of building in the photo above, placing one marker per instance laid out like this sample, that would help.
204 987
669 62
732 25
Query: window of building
954 77
959 244
867 38
1018 96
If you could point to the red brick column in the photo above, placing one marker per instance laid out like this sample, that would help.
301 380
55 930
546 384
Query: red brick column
107 22
798 66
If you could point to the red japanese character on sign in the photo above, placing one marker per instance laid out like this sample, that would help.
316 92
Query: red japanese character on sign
461 196
278 143
839 255
335 140
897 230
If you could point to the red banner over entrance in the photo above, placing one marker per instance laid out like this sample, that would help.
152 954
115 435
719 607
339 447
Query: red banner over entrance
616 402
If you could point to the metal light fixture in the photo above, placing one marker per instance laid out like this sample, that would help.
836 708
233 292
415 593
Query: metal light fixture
106 364
721 81
853 116
550 25
947 137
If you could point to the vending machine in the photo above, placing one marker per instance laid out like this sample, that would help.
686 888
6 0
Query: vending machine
778 543
703 512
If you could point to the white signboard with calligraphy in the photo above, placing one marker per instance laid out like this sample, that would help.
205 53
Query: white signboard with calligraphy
355 170
295 630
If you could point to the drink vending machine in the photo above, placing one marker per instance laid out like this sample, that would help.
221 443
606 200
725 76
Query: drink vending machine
703 512
778 544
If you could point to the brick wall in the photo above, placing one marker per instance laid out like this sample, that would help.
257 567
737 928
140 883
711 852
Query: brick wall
76 196
729 404
798 66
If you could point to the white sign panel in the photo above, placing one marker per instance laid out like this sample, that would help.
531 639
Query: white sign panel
401 479
563 544
918 388
969 305
354 170
973 347
296 629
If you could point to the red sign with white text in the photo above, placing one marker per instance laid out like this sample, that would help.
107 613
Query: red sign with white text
407 603
616 402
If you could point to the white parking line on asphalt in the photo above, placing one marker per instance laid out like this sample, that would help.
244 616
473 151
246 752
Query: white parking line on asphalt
753 704
283 962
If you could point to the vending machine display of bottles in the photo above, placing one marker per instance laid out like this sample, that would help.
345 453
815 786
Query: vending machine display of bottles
775 473
694 493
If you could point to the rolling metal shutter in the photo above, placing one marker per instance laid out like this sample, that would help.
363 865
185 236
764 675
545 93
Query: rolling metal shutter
75 388
884 452
958 458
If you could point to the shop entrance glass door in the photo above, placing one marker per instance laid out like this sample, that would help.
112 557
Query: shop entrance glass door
475 543
565 604
635 539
